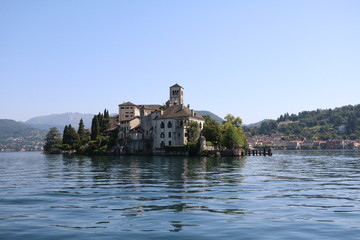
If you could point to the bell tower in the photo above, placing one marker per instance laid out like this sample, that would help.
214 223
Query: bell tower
177 95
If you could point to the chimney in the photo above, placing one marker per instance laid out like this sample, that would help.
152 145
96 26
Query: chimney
188 106
192 113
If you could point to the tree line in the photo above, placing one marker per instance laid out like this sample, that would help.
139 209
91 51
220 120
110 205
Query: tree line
226 135
96 141
320 124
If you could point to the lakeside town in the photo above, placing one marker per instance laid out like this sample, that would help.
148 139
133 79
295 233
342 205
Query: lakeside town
278 142
21 144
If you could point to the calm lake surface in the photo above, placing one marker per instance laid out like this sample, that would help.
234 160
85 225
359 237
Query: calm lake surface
291 195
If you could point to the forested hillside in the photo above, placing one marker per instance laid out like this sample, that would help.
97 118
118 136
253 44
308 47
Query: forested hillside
11 128
15 136
320 124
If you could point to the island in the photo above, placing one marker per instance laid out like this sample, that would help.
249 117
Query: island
172 128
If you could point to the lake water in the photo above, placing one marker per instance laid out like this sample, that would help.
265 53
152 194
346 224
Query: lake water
291 195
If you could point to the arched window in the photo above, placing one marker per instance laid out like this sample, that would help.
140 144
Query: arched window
162 125
162 135
169 124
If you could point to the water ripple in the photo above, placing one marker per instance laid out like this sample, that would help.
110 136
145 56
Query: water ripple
292 195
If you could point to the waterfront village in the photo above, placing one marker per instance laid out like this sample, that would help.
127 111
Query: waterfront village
279 142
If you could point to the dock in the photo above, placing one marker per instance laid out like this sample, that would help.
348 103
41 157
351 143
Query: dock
259 152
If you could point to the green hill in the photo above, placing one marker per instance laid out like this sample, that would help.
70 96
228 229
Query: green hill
11 128
16 136
213 116
321 124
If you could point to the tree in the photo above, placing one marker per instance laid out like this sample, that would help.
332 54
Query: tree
235 121
232 137
65 135
106 114
95 128
193 131
81 132
104 124
211 130
53 137
233 134
70 137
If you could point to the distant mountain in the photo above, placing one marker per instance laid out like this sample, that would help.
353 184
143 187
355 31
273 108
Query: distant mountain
213 116
60 121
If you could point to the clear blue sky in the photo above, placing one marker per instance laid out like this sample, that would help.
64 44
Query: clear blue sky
254 59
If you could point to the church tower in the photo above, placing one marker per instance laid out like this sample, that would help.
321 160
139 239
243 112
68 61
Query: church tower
176 94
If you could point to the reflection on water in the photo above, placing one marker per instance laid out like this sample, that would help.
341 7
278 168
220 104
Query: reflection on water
291 195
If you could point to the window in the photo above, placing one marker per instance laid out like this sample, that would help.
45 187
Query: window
162 144
169 134
162 125
181 123
169 143
169 124
162 135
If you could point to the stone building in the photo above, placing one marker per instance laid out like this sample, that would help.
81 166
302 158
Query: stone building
152 127
171 126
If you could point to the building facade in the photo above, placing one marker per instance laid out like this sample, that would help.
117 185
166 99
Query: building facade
171 126
153 127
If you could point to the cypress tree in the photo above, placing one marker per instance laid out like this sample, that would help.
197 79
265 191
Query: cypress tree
95 128
65 135
73 138
105 125
106 114
70 137
81 131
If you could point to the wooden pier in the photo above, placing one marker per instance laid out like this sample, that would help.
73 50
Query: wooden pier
259 152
